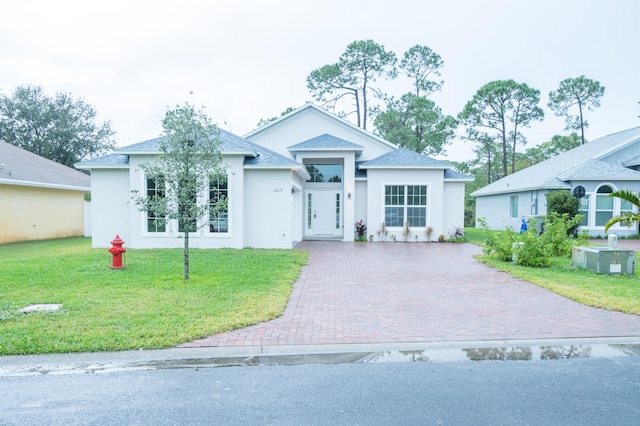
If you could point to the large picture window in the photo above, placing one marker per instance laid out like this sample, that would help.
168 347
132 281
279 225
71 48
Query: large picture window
155 191
325 173
219 205
405 203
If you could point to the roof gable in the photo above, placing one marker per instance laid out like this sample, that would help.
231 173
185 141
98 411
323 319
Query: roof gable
326 142
21 167
309 122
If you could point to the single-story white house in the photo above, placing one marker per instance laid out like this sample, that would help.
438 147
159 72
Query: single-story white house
39 198
591 172
308 175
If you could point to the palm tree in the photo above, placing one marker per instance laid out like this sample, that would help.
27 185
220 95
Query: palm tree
627 217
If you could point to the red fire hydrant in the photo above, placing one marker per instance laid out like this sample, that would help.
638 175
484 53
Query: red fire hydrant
117 252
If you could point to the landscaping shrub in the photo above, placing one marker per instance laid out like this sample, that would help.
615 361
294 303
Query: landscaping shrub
532 252
499 243
536 250
557 231
563 203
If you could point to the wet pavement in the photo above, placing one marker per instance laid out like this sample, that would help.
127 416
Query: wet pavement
363 293
110 362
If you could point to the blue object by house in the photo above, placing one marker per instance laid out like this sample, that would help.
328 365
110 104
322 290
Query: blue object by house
523 227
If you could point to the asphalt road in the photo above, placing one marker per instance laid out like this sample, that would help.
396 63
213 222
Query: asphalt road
566 391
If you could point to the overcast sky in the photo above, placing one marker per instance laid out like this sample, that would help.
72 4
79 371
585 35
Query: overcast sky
247 60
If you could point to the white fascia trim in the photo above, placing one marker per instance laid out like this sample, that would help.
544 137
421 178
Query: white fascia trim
533 188
406 167
45 185
101 166
459 179
302 171
318 149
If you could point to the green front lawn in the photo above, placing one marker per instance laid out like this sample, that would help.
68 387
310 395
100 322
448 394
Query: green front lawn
145 305
613 292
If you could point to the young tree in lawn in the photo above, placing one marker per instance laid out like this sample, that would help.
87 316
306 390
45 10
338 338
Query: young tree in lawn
581 92
60 127
498 110
358 67
189 161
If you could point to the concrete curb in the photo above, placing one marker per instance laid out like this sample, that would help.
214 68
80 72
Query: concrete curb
529 350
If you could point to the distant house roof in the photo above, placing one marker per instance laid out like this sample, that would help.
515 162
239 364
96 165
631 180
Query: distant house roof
22 167
326 142
582 163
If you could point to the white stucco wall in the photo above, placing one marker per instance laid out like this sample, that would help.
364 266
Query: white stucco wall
310 123
360 205
496 209
453 206
110 197
434 179
269 209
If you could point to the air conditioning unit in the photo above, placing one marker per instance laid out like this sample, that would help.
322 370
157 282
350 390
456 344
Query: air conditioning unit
604 260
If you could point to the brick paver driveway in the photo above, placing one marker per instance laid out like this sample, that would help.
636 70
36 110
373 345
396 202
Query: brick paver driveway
408 292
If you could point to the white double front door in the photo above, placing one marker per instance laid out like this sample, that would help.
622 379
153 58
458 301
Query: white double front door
323 212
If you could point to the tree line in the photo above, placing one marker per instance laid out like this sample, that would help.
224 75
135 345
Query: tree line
493 119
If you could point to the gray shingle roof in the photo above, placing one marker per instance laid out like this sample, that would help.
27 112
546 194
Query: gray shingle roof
268 158
20 166
574 164
230 142
256 155
107 160
324 142
596 170
450 174
403 158
360 173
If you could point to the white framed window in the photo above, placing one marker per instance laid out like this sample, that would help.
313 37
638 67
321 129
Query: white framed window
219 205
405 203
155 188
604 205
513 204
583 210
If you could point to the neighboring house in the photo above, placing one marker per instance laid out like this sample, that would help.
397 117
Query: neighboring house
39 198
307 175
590 171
